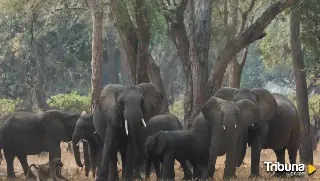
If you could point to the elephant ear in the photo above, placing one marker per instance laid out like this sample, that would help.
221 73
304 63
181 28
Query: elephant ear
266 102
249 113
161 141
109 105
211 108
226 93
152 100
59 124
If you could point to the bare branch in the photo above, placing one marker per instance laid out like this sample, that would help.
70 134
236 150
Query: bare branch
225 19
244 16
244 57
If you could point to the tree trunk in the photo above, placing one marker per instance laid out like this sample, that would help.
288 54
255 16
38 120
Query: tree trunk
97 49
112 61
38 85
236 69
169 74
199 51
155 77
251 34
234 73
135 42
124 68
192 50
305 151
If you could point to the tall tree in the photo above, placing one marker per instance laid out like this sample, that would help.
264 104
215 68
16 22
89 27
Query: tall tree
248 36
193 48
96 9
305 151
135 39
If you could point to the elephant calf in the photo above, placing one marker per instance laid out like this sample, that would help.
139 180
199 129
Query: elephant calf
171 145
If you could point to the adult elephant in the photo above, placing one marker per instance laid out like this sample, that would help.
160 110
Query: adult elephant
126 110
216 132
285 124
258 132
28 133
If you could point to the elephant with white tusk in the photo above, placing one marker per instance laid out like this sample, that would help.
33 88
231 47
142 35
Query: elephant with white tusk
126 111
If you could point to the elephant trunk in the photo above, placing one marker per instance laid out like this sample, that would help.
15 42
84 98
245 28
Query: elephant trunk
76 151
242 146
86 157
135 133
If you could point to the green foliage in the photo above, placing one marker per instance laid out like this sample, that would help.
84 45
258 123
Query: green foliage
7 106
314 105
253 71
73 102
177 108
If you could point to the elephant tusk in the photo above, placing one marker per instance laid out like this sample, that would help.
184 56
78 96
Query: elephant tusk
235 126
252 125
144 123
95 132
70 142
85 140
78 143
224 128
126 126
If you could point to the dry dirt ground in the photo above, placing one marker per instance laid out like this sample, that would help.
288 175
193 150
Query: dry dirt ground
72 172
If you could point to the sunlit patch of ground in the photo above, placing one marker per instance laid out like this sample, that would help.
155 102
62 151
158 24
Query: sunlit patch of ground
72 172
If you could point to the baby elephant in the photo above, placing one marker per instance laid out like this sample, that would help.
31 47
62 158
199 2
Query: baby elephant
171 145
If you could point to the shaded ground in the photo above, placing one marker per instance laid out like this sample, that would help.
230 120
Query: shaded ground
72 172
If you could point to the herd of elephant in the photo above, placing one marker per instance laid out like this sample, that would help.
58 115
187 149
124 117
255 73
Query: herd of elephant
128 120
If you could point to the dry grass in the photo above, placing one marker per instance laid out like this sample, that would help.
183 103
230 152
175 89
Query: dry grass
72 172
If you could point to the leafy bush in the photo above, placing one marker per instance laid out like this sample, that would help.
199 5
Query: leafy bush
177 109
72 102
7 106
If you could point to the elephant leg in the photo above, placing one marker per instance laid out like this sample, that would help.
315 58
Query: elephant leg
293 155
147 168
99 157
108 146
281 159
167 170
258 136
123 161
113 171
137 164
130 153
54 152
230 167
25 166
196 169
157 167
186 170
10 170
93 157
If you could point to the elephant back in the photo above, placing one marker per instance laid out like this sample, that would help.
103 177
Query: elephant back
226 93
59 125
266 102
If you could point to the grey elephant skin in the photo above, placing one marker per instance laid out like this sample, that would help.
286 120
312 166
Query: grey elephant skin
258 132
84 130
160 122
126 110
285 124
216 132
170 146
28 133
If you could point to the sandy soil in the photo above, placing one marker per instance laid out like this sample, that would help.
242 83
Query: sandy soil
72 172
